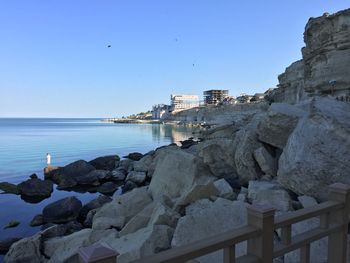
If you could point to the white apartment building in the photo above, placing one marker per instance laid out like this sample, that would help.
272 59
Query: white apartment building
183 102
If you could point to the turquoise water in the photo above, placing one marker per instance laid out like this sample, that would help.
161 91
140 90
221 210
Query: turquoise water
25 142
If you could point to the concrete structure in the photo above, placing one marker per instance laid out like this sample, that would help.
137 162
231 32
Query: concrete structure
214 96
160 111
244 98
184 102
229 100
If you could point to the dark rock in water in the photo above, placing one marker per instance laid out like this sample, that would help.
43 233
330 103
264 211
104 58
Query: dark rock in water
66 183
88 179
34 176
188 143
107 188
129 185
9 188
35 188
62 211
51 171
93 204
69 172
37 220
6 244
61 230
106 162
135 156
11 224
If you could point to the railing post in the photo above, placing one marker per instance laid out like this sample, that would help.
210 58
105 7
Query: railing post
262 217
337 241
97 253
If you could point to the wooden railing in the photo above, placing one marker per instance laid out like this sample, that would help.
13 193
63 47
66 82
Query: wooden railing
259 234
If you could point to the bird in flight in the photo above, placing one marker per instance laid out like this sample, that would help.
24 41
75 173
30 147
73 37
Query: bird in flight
109 46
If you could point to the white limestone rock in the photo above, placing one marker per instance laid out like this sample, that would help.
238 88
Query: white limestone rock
224 189
317 153
266 161
269 193
176 172
118 212
221 216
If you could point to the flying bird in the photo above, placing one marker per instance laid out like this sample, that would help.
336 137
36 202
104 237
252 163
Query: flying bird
109 46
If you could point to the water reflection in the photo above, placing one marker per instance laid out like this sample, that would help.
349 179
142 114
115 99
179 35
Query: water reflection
174 132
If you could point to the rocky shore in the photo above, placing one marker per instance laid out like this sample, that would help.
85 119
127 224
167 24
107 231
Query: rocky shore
284 154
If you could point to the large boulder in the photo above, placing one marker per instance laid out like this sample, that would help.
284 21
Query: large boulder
143 165
65 249
70 172
26 250
140 220
118 212
211 219
269 193
219 155
245 143
142 243
93 204
280 123
317 153
176 172
106 162
62 211
35 188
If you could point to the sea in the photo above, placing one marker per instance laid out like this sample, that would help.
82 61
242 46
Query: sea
25 142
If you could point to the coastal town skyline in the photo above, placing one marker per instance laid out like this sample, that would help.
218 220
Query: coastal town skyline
103 59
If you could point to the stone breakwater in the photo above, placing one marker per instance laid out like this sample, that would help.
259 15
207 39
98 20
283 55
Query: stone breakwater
281 154
284 156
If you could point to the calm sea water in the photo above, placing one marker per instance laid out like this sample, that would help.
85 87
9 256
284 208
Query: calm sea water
25 142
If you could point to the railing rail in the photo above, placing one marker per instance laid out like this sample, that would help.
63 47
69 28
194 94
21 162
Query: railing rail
259 234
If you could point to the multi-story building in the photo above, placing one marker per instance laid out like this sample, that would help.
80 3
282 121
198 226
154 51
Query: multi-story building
214 96
183 102
160 111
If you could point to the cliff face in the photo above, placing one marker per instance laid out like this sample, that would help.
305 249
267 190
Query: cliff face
325 67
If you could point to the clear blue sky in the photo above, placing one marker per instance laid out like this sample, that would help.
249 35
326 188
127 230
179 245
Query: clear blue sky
54 60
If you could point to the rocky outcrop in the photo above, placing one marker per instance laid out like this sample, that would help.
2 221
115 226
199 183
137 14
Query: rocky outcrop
93 204
317 153
324 69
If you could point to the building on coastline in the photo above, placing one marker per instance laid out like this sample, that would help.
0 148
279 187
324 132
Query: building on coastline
258 97
244 98
229 100
183 102
160 111
214 96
